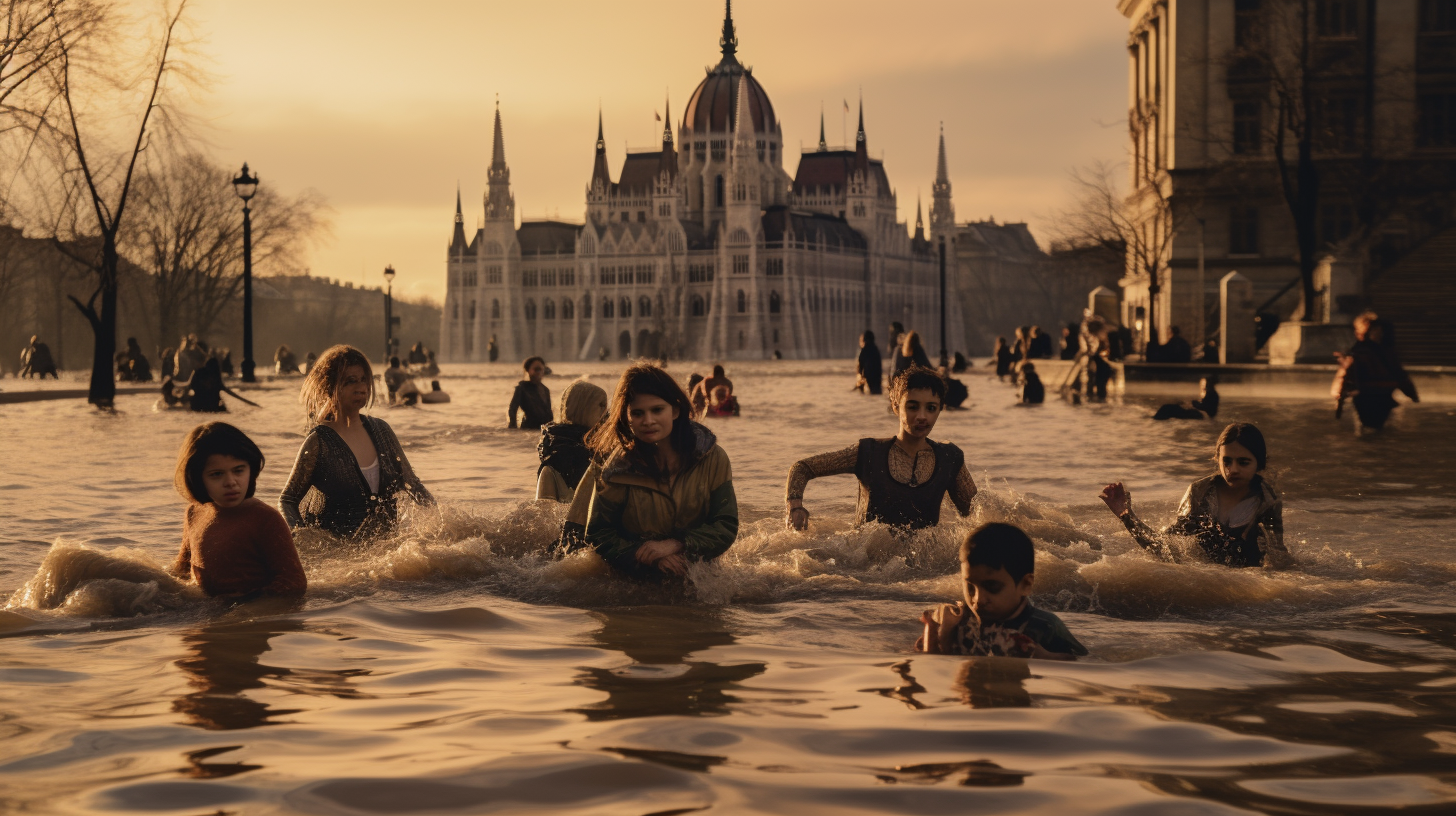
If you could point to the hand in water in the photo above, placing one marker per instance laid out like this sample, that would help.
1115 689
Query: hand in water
675 564
652 552
798 518
1117 499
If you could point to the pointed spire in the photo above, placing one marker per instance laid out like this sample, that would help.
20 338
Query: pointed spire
729 40
668 162
457 240
919 220
823 146
942 176
600 171
459 213
861 147
667 121
743 118
498 153
601 141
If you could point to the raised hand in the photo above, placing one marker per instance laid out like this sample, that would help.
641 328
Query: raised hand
1116 497
798 518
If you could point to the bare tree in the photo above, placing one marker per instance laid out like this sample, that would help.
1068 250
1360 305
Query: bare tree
102 188
1142 224
187 231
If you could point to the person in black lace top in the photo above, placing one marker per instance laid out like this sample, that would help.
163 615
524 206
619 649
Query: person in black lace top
351 467
531 397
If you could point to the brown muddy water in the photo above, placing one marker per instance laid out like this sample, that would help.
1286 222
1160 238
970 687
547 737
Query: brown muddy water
456 669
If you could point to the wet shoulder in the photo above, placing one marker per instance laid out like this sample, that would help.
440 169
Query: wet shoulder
1048 630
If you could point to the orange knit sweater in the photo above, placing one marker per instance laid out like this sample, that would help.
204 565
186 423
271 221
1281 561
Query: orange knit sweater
239 550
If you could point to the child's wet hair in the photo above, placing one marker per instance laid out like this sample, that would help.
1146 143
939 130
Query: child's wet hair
1247 435
913 378
1000 546
213 438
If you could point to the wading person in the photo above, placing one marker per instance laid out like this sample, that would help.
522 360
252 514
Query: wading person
909 353
1205 407
1235 515
701 394
1370 373
869 375
663 496
350 467
903 479
232 543
532 398
563 451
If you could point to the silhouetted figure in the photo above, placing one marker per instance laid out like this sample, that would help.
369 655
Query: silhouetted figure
956 392
1003 358
897 336
960 364
189 358
417 354
1370 373
868 373
1041 344
134 366
36 360
1070 333
1096 348
1210 352
701 396
1205 407
309 361
394 378
207 389
225 361
531 398
1032 391
168 361
434 396
1177 350
285 360
492 350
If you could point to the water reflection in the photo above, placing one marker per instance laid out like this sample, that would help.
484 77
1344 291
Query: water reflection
225 662
993 682
662 681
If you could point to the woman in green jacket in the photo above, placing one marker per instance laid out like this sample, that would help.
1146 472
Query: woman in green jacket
663 496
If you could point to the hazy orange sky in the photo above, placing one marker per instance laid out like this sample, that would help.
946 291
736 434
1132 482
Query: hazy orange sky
383 107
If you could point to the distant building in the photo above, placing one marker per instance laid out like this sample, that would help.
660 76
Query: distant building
704 247
1209 87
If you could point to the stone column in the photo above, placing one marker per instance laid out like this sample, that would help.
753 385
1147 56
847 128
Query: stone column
1236 319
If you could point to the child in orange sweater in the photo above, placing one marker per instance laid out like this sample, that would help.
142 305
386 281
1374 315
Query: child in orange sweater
232 544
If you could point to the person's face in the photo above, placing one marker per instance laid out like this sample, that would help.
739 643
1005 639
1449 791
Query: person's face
992 593
354 389
595 413
651 418
226 479
1236 464
918 412
1203 389
536 371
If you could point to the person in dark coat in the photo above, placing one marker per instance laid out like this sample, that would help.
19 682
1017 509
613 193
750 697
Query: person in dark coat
1032 391
868 369
910 353
532 398
1370 373
1003 358
1177 350
1205 407
1041 344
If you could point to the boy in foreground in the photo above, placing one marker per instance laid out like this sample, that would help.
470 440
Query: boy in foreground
997 570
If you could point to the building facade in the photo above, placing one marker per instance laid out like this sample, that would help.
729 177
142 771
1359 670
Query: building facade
705 247
1219 90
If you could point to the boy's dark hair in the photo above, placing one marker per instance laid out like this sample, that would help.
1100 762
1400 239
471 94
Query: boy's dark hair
526 366
207 440
1000 546
915 377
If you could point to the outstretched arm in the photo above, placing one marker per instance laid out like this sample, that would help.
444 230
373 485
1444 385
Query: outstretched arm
824 464
1119 501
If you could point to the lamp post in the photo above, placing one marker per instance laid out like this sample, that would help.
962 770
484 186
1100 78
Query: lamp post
246 185
388 312
944 353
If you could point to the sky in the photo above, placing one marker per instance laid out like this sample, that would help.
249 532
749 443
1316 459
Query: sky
384 107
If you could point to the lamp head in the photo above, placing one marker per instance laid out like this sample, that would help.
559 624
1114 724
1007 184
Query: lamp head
389 274
246 184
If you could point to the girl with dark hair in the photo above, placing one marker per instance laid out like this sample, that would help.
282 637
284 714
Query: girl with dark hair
1235 515
351 466
662 496
531 398
904 479
232 543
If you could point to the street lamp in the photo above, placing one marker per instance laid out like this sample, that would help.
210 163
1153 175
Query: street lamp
944 352
246 185
389 319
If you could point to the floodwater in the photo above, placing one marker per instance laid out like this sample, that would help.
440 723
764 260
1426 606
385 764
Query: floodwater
455 669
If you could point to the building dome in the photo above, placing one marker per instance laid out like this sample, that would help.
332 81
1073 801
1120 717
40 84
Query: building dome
714 104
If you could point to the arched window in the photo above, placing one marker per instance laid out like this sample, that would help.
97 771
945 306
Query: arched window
494 310
607 308
718 192
472 310
626 307
566 310
698 308
774 304
548 310
742 302
530 309
644 307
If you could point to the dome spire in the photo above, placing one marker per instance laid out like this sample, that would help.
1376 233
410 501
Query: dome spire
729 40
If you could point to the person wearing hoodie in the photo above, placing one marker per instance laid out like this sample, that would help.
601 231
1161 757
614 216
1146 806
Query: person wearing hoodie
663 498
563 451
